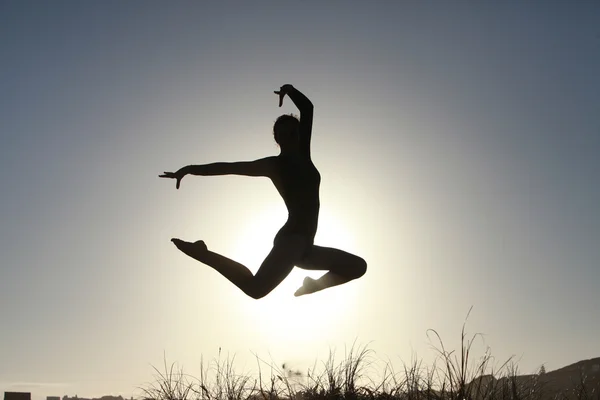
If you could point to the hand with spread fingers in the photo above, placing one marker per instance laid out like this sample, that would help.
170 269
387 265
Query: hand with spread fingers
175 175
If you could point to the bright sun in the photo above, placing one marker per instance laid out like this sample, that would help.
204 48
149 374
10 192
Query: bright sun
280 308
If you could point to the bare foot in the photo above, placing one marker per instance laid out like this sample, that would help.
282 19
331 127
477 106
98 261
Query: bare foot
195 250
308 286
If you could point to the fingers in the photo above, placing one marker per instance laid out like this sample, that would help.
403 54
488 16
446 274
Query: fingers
281 94
172 175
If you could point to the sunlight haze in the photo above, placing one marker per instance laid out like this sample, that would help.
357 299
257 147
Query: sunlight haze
458 147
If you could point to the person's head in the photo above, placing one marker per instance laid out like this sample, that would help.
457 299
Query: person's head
286 130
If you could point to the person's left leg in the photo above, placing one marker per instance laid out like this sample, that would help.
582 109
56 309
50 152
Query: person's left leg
342 266
275 268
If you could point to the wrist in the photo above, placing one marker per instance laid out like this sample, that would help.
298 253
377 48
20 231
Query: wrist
286 88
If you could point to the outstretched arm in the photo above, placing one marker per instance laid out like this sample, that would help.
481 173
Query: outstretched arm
305 107
260 167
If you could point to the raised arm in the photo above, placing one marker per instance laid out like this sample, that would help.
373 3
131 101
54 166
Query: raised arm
305 107
261 167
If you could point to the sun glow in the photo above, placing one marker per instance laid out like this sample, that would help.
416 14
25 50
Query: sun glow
310 316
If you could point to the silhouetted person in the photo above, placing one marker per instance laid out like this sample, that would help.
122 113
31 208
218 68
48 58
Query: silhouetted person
297 181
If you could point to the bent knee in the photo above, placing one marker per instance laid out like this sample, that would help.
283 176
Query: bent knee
359 267
257 291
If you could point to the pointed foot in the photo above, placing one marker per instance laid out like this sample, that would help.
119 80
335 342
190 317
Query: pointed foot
308 286
195 250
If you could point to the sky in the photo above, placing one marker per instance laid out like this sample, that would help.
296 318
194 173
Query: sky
457 144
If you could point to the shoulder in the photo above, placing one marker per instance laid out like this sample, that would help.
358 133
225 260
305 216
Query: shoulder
267 165
260 167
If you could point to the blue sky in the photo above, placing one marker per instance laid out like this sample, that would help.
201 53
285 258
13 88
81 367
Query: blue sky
457 144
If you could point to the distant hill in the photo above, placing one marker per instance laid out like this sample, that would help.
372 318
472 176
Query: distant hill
575 381
583 375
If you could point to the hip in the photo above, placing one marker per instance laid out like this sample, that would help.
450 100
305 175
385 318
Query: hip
304 231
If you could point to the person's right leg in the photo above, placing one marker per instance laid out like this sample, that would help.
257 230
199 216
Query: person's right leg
342 266
274 269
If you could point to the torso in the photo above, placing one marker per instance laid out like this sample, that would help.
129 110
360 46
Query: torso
297 180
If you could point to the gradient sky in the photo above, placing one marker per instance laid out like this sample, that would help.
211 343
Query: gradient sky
458 146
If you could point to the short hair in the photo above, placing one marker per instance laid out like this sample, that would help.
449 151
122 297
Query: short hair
284 120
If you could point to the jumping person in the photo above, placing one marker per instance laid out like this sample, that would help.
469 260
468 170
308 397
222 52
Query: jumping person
297 181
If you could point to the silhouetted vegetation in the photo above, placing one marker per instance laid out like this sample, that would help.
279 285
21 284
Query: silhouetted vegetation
453 376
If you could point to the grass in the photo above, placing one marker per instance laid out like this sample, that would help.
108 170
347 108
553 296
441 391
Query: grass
454 375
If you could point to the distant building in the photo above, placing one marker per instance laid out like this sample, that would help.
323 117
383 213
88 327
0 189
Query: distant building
52 398
17 396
